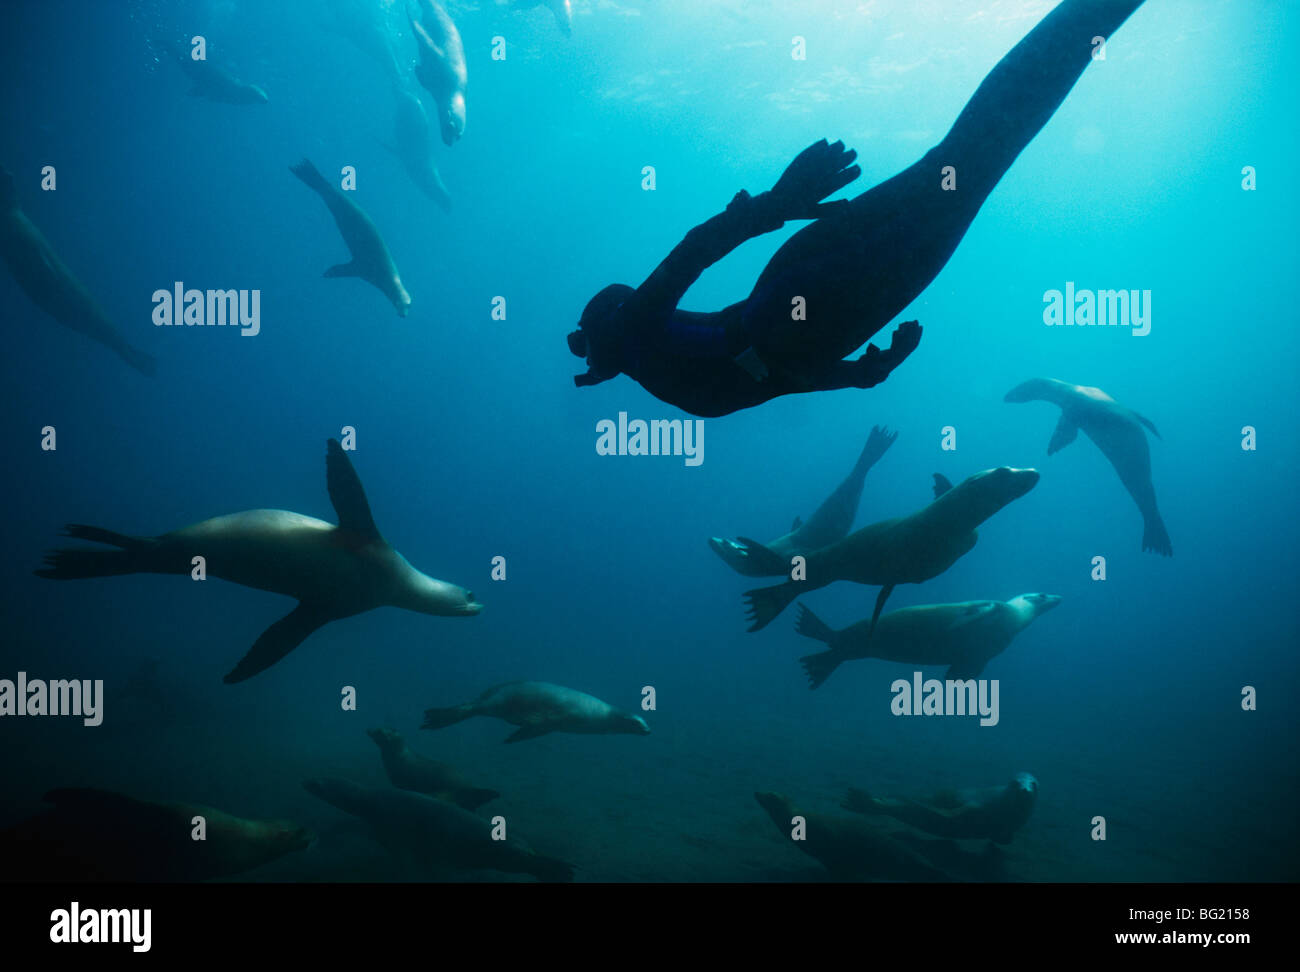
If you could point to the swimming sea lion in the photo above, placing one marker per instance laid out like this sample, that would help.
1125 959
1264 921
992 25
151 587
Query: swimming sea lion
51 286
1117 431
906 550
830 523
435 834
562 9
846 848
442 66
371 260
217 84
962 636
98 835
409 771
538 708
993 813
333 571
414 148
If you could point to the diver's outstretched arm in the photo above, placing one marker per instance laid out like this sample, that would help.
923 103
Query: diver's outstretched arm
745 217
818 171
874 366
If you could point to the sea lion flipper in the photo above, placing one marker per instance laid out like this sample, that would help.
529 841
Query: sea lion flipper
350 269
528 732
1145 421
976 611
278 640
1066 432
881 598
967 669
346 492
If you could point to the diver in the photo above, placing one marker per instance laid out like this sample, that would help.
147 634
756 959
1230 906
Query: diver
839 280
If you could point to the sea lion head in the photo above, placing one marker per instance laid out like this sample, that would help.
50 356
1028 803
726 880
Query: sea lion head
777 805
284 836
1024 783
599 337
1029 391
1037 604
452 119
1021 794
400 298
386 739
626 722
735 554
415 590
987 492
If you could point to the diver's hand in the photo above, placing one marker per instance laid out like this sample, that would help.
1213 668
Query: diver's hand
818 171
875 365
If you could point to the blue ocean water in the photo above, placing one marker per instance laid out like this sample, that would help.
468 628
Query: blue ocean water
1125 701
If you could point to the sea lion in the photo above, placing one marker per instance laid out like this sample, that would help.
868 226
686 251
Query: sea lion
51 286
442 66
98 835
413 147
905 550
538 708
846 848
371 260
435 834
333 571
993 813
1117 432
963 636
217 84
562 9
409 771
830 523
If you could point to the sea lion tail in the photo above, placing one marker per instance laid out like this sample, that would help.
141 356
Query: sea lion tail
818 667
551 869
811 626
1155 537
441 718
76 564
309 174
878 443
763 604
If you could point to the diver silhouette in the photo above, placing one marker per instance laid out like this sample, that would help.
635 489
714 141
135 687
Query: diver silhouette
855 267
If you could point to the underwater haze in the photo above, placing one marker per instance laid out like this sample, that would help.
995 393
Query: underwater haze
1160 698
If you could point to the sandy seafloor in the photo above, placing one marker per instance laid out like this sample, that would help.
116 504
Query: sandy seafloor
678 805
